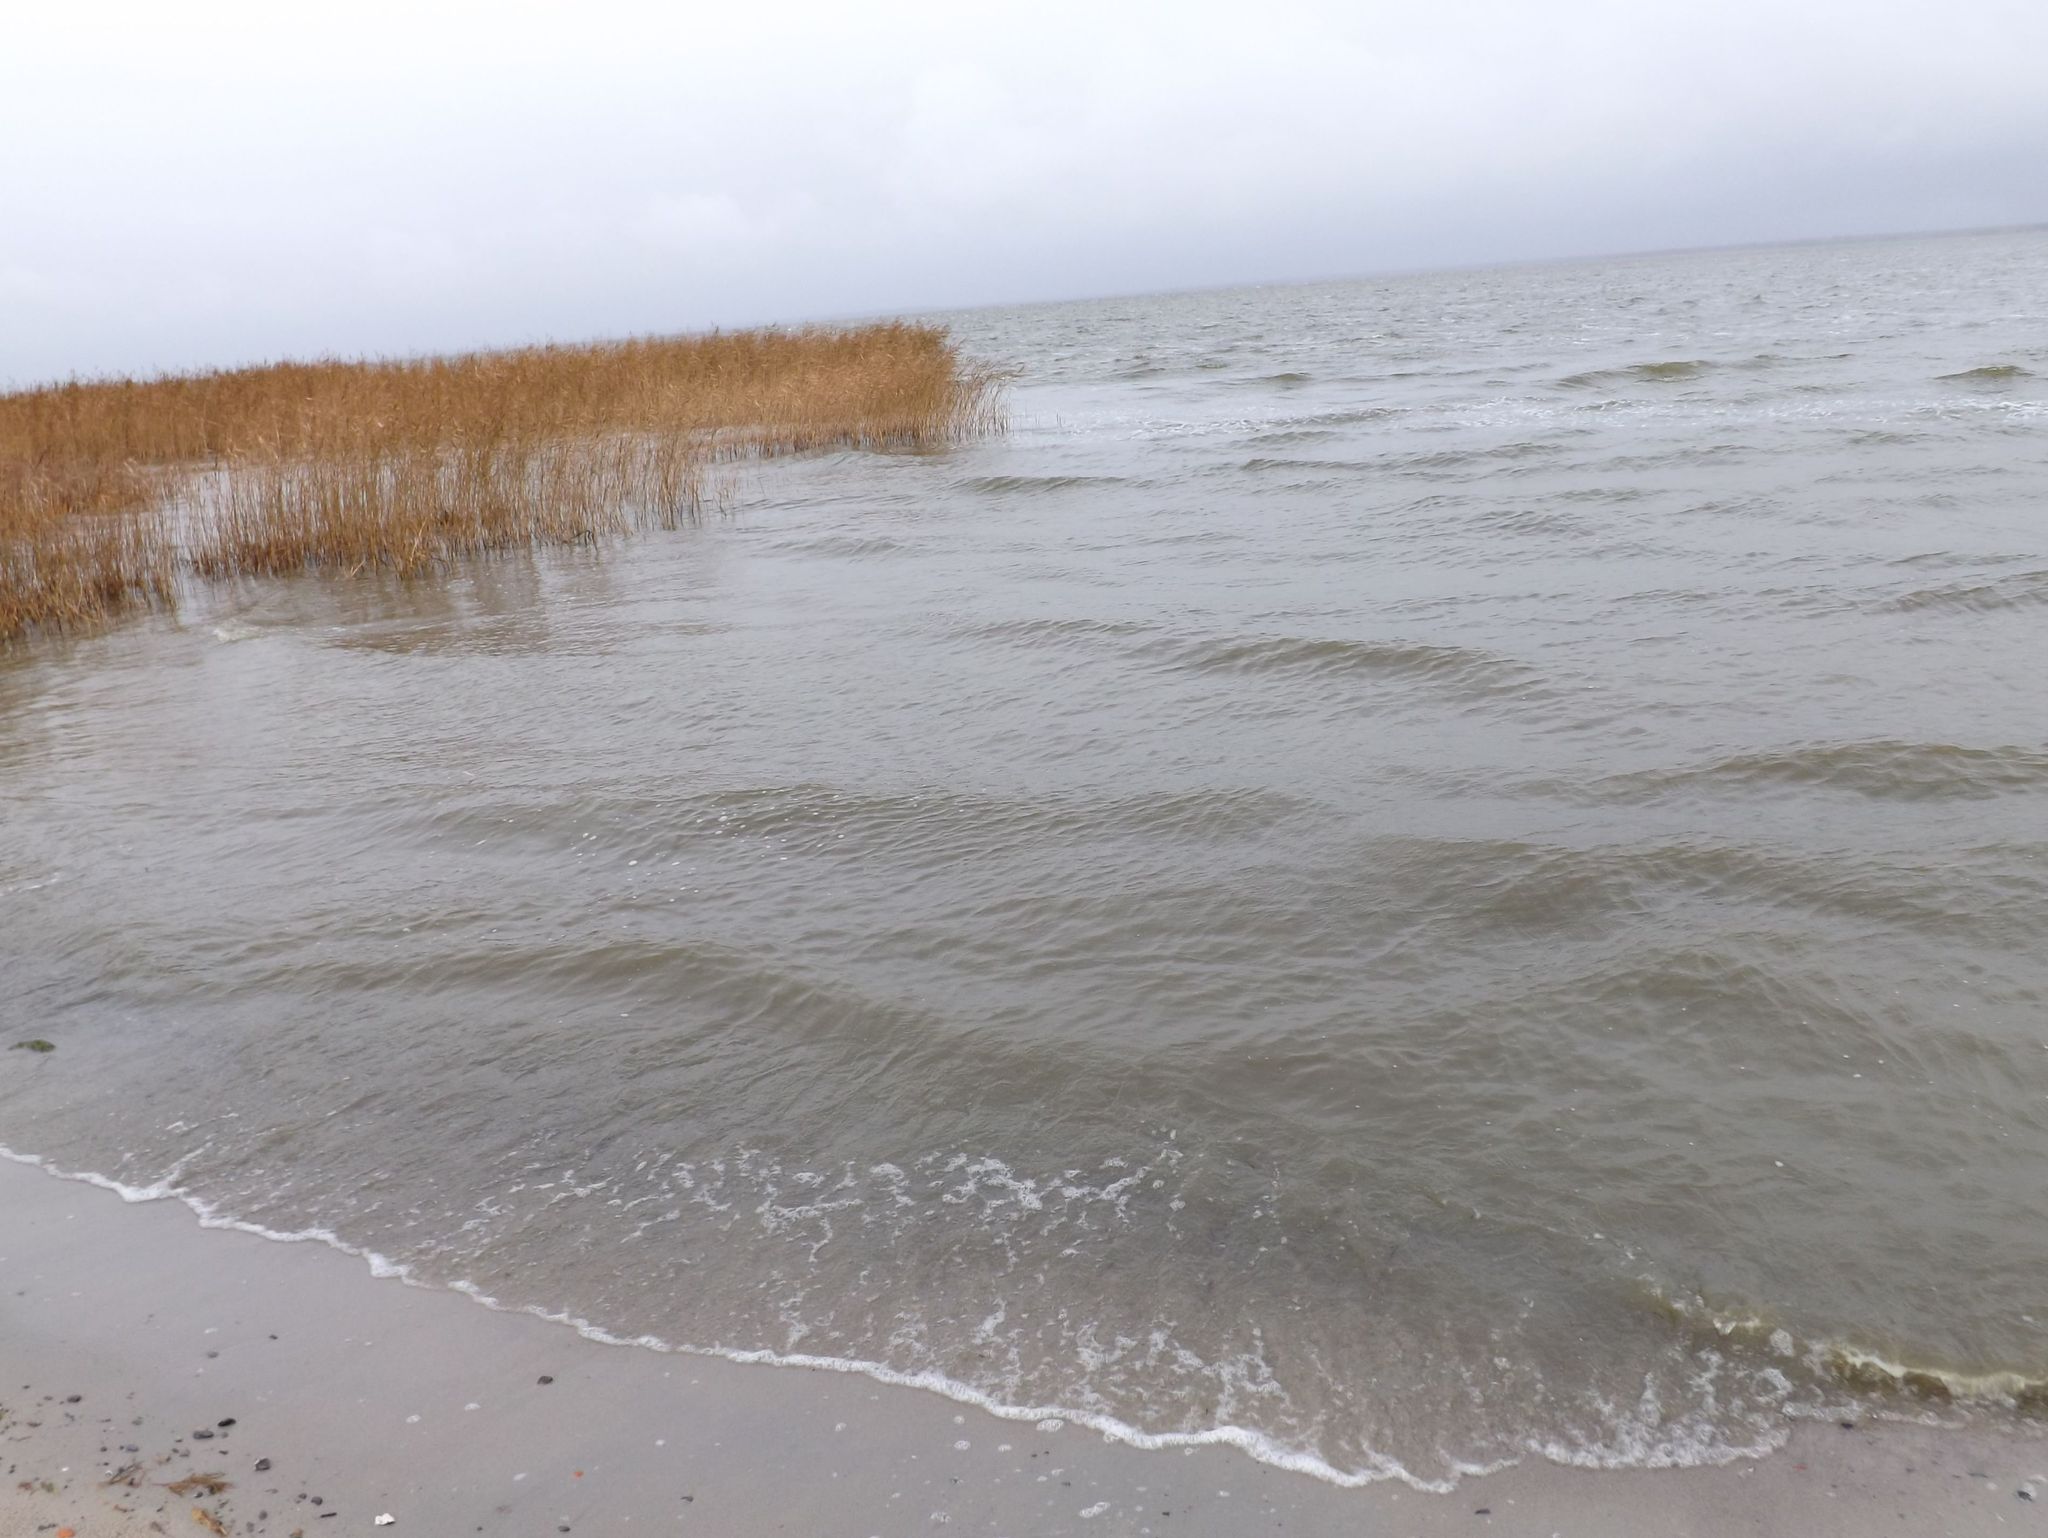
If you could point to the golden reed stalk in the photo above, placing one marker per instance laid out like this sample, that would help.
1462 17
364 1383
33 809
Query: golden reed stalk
111 489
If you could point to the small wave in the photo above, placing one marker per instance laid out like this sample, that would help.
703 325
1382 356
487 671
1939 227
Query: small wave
1053 631
519 634
1353 415
1452 459
2022 590
1870 1372
1479 889
1037 485
855 545
1536 521
1286 435
1425 462
1989 374
1457 668
1937 559
1265 464
843 823
1883 771
1320 426
858 826
1670 371
1866 1372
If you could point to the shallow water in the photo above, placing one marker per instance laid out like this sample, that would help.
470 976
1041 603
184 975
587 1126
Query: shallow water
1427 869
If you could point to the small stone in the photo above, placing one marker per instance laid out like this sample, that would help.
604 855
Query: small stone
545 1378
2025 1495
263 1465
202 1436
73 1398
226 1423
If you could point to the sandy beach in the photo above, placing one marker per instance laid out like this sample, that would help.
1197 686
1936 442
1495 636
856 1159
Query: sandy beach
145 1351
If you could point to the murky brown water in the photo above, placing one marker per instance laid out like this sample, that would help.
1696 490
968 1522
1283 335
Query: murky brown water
1422 869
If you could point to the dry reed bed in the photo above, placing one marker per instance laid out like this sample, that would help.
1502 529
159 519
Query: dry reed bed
110 489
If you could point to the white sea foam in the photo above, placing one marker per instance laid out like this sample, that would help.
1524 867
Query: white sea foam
1640 1438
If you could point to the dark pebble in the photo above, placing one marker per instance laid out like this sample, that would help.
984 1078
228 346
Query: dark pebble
1483 1511
2025 1495
263 1465
319 1500
545 1378
226 1423
1848 1425
73 1398
202 1436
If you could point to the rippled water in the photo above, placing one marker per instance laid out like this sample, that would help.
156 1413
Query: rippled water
1424 869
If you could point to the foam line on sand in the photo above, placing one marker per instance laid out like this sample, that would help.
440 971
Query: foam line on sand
328 1398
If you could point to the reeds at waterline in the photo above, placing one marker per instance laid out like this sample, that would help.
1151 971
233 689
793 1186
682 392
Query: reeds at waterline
415 509
111 489
78 544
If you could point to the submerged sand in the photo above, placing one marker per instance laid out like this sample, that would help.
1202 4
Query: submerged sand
143 1350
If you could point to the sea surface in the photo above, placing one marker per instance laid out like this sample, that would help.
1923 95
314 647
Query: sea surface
1410 873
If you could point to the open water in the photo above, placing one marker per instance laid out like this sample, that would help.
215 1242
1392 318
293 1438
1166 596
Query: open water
1410 873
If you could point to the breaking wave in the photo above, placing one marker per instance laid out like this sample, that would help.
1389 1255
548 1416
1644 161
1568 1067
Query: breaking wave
1877 1379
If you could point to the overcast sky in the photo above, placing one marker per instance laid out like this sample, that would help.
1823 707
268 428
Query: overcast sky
191 183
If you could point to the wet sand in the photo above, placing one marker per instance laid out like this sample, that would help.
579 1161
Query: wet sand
142 1349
